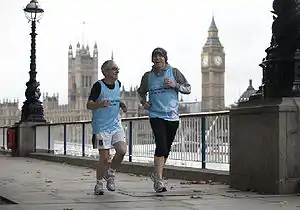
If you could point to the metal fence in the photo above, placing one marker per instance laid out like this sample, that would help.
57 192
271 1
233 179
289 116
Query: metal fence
202 140
3 137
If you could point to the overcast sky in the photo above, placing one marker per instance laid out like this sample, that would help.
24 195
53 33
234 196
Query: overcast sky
132 29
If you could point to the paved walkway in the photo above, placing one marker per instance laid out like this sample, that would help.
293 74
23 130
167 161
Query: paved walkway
40 185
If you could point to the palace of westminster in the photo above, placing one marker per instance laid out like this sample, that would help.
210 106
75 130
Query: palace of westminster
83 72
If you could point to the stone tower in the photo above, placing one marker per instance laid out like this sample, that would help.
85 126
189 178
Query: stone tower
82 72
213 71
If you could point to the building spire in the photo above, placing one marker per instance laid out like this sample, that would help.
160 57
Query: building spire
83 30
213 26
250 87
70 51
213 37
112 55
95 53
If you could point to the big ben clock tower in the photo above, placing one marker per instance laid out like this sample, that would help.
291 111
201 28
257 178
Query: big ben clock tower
213 71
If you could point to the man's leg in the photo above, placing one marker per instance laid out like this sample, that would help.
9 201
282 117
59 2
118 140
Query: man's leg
101 168
158 128
121 148
119 143
102 165
171 130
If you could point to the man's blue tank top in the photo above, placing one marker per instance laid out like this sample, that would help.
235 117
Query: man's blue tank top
107 118
163 99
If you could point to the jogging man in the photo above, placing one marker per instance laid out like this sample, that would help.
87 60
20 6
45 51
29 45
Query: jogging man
104 101
163 83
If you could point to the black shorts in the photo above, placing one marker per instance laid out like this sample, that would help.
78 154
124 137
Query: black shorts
164 133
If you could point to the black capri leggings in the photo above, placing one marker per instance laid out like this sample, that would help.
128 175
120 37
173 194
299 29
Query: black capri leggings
164 133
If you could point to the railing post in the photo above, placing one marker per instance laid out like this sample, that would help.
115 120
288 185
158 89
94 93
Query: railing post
130 142
65 139
3 133
34 142
203 151
83 139
49 138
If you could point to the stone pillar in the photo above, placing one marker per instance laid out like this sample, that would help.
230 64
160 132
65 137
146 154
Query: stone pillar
265 146
26 138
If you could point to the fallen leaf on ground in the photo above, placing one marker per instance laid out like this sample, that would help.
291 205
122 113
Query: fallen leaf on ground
196 197
194 182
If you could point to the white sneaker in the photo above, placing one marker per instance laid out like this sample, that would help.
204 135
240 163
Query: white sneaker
159 186
110 179
98 190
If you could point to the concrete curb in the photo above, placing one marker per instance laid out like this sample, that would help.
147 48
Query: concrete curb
172 172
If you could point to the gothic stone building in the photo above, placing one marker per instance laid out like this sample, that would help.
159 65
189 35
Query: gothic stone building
9 112
82 73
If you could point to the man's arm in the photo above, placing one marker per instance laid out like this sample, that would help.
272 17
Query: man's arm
182 84
94 95
122 104
143 89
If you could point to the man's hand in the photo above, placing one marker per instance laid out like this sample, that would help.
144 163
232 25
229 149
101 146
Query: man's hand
104 103
170 83
123 107
92 105
146 105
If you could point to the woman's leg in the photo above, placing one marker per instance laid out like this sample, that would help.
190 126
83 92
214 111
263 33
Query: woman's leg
159 131
171 130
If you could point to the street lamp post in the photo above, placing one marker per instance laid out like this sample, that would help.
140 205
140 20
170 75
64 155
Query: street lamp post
32 109
281 66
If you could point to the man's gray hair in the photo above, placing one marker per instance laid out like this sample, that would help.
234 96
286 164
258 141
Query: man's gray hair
107 65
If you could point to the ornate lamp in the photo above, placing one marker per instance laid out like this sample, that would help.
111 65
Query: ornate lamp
32 109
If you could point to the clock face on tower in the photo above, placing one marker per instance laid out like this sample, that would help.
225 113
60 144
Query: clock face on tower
218 60
205 61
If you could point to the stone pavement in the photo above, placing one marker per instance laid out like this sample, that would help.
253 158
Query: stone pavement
41 185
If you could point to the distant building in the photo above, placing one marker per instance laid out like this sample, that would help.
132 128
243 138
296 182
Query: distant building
213 71
248 92
82 73
244 97
186 107
9 112
131 99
